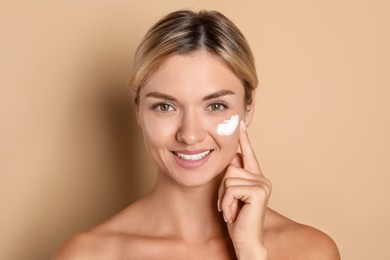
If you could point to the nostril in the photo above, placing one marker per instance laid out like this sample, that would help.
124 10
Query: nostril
190 137
191 129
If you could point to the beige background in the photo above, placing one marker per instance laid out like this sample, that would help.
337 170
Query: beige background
71 153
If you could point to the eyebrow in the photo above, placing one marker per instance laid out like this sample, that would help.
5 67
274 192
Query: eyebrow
160 95
217 94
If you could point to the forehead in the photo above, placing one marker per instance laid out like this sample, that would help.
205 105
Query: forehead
195 74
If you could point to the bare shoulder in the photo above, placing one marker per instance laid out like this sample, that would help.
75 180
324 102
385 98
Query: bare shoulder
298 241
84 245
110 240
102 242
314 244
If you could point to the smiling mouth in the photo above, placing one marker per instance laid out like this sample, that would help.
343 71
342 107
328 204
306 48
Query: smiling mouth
192 157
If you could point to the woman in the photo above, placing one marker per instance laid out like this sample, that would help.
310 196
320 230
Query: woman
194 83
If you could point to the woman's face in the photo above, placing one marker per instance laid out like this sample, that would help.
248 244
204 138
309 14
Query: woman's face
180 108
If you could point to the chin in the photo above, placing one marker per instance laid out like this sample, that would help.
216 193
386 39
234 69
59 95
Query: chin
192 178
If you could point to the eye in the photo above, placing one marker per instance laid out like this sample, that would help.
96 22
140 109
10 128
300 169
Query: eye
163 107
217 106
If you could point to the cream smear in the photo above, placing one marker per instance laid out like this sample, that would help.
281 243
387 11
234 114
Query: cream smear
228 126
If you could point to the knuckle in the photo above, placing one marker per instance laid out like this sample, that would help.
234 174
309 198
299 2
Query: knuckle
262 192
226 203
269 187
229 191
229 171
266 184
229 181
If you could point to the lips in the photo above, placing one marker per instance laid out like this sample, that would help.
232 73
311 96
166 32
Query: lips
192 159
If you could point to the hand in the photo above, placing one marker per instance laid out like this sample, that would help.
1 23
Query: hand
243 197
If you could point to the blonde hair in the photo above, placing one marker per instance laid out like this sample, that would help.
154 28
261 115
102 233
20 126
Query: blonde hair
183 32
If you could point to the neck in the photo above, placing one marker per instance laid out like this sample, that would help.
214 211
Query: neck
188 213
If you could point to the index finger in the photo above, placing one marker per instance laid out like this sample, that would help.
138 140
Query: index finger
248 156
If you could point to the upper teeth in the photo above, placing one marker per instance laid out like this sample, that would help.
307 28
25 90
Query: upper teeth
193 157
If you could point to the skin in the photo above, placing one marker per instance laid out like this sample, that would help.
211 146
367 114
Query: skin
216 210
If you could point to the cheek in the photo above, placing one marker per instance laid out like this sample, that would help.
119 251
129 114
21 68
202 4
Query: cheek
229 126
228 147
225 132
156 132
228 143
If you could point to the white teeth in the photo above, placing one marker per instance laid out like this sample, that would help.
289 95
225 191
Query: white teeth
193 157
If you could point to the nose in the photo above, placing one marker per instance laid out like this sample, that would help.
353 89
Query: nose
191 130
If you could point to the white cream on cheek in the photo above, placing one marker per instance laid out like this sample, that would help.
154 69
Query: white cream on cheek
228 126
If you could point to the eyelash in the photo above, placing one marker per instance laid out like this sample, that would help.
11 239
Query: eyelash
223 105
159 105
220 103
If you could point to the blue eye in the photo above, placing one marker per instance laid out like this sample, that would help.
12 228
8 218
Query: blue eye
217 106
163 107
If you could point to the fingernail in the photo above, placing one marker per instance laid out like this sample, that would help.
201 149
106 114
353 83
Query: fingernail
218 206
224 218
242 125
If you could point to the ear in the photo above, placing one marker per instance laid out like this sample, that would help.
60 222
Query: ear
249 110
